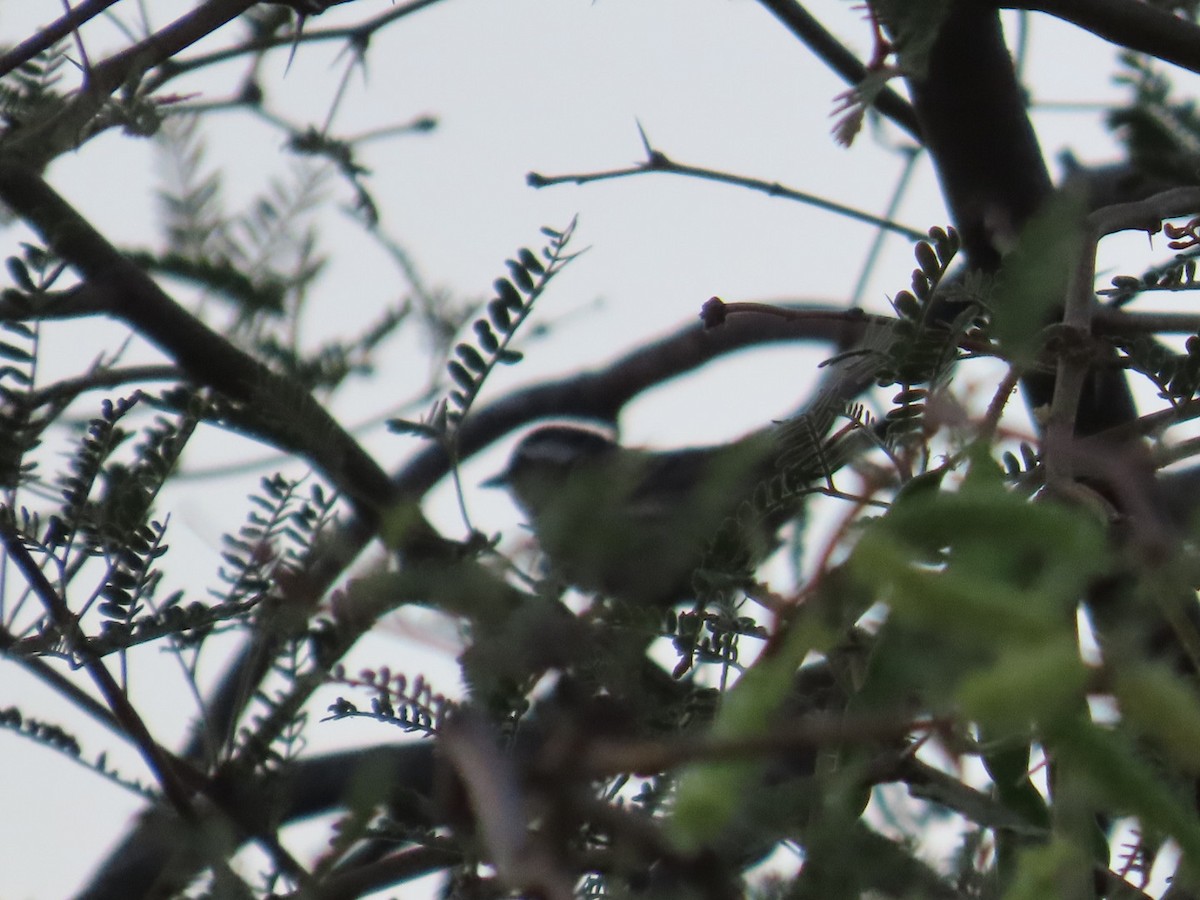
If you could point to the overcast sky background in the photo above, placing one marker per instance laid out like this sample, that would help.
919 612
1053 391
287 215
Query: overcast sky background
554 86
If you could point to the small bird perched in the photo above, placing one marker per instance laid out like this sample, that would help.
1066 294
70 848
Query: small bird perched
637 525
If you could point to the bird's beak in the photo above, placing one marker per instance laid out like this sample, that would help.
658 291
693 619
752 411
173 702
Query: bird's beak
496 481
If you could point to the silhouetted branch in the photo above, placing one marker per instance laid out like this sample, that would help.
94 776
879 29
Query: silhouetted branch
151 853
1139 26
51 34
657 161
280 410
601 394
358 35
834 54
166 770
38 143
1144 215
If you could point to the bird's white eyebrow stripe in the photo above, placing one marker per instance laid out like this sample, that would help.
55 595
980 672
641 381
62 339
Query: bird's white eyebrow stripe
560 445
548 451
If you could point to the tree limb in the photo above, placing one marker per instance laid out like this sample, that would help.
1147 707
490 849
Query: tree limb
1128 23
834 54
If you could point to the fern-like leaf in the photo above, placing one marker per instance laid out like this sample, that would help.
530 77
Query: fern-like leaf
493 333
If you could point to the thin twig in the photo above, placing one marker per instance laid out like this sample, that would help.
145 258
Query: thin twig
164 769
354 33
991 419
832 52
911 156
1129 23
51 34
400 867
273 407
657 161
62 686
605 759
42 142
1143 215
520 854
169 771
62 392
84 63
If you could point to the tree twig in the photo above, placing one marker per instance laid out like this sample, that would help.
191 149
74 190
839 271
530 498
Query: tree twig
1143 215
360 33
36 145
834 54
164 769
657 161
277 408
1128 23
51 34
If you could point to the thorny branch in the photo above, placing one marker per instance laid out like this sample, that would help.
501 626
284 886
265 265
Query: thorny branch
51 34
657 161
1145 215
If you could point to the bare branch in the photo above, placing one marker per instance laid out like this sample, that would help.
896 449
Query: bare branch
51 34
1143 215
360 34
276 408
657 161
1128 23
835 55
165 768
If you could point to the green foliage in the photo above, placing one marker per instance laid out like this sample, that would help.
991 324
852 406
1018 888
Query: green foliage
1178 274
261 259
253 296
19 434
709 795
925 338
987 583
412 708
1034 276
1015 468
117 519
1161 134
943 567
936 623
912 27
493 333
710 636
28 94
22 423
281 528
1176 375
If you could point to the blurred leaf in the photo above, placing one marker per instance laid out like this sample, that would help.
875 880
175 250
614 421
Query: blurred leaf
709 794
1033 279
1123 783
1027 685
1161 706
1041 871
913 27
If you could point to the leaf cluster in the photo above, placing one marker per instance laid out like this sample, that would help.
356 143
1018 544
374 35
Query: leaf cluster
493 333
1178 274
929 328
1176 375
29 93
1161 134
414 707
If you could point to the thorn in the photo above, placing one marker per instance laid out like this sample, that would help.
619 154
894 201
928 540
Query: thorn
645 140
301 18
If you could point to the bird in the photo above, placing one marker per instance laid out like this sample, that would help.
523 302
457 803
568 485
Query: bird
638 525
